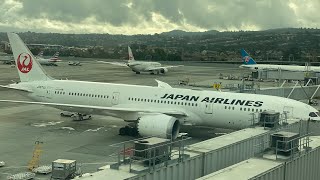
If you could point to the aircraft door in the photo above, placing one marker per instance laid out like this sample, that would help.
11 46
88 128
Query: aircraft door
208 108
48 92
288 110
115 98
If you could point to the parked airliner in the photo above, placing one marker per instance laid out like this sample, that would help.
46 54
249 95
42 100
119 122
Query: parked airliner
43 61
248 62
48 62
142 66
156 111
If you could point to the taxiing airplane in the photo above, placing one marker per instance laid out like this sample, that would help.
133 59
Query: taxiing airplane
48 62
155 111
142 66
248 62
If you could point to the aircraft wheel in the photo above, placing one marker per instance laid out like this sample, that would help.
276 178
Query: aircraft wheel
122 131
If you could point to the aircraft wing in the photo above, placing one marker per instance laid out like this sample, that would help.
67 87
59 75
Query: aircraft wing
114 63
106 110
161 67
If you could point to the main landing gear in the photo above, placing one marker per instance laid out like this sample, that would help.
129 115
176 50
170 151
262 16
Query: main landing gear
128 131
155 72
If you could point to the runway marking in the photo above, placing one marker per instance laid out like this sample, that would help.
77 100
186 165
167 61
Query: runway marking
68 128
51 123
93 130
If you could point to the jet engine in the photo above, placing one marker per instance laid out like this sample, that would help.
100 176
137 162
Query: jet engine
159 125
163 70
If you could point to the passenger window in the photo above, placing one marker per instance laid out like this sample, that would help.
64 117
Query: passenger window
244 109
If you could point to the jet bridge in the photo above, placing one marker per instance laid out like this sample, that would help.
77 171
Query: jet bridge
196 160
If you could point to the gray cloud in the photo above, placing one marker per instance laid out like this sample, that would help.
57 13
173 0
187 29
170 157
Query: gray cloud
139 15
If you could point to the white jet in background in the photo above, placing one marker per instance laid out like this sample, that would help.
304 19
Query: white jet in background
155 111
48 62
142 66
248 62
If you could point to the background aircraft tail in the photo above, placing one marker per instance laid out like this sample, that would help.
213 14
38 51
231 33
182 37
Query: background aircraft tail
246 59
131 58
40 54
55 56
28 67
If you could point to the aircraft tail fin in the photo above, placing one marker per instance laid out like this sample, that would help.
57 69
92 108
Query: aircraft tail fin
40 54
55 56
246 59
28 67
131 58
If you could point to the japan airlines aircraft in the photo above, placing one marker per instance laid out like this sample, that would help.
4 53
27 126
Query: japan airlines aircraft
142 66
155 111
49 62
248 62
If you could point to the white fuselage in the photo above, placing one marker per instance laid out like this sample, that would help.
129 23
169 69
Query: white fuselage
44 61
205 108
282 67
141 66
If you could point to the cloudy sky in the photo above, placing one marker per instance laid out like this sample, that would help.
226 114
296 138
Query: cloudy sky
155 16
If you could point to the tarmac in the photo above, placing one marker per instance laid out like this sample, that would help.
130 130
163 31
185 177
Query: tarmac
88 141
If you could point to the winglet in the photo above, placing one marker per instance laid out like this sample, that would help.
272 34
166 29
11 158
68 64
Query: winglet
163 84
246 59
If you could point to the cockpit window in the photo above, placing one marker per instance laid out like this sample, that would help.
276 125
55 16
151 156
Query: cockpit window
314 114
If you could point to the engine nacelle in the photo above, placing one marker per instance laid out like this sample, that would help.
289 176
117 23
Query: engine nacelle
159 125
163 70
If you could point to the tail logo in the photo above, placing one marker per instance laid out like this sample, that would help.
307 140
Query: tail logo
246 59
24 62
